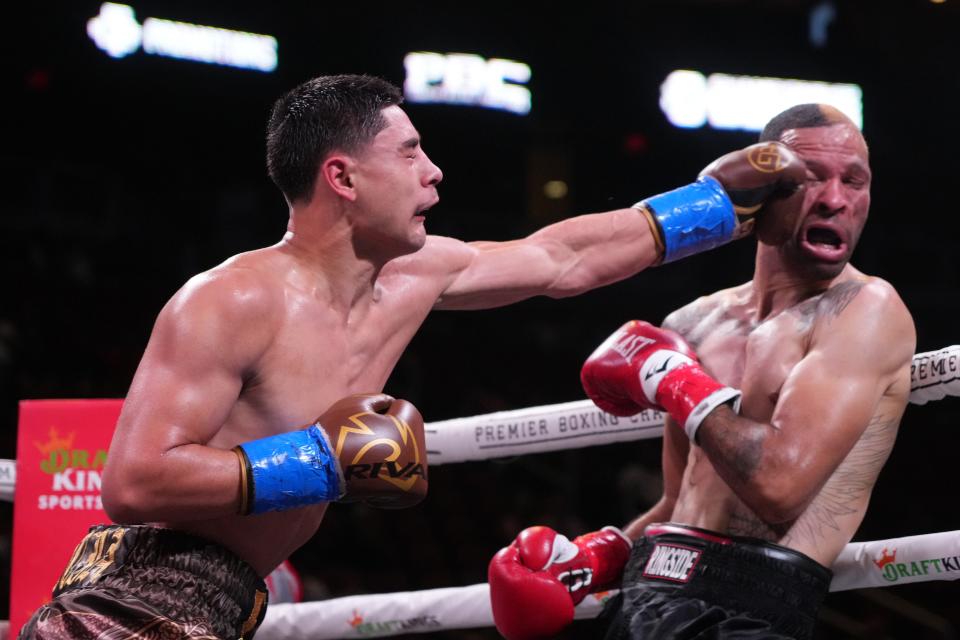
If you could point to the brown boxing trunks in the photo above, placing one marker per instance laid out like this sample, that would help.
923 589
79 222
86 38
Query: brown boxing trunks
149 583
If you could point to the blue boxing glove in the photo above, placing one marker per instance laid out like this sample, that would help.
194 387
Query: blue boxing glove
720 206
365 447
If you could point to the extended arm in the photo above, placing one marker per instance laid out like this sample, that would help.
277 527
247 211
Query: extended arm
581 253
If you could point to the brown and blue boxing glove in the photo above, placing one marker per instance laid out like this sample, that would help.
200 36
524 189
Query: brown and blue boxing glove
721 205
367 448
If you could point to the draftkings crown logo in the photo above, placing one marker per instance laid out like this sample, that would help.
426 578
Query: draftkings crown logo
75 473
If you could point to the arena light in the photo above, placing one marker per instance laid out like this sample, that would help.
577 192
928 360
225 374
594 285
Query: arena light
690 100
467 79
116 31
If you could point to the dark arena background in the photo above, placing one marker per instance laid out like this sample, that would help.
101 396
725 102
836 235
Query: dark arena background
124 176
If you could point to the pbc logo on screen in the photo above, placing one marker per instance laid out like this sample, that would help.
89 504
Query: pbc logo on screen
672 562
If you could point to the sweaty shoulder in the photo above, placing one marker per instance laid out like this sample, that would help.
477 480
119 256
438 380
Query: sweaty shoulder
867 314
236 306
865 297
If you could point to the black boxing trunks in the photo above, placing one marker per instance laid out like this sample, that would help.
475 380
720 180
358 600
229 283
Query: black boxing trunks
149 583
685 583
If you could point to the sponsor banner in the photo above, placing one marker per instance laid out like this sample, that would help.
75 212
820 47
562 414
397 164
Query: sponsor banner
377 616
534 430
883 563
61 450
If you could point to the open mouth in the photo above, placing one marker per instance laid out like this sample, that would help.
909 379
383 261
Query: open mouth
825 237
421 211
825 244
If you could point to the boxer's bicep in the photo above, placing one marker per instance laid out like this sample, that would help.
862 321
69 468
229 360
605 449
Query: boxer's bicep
834 393
202 345
187 382
560 260
498 274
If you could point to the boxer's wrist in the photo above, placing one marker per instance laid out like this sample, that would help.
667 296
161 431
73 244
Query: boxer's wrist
246 481
289 470
692 219
655 231
609 549
689 395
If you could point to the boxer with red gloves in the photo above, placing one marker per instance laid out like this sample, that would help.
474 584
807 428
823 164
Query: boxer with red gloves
536 582
758 503
642 367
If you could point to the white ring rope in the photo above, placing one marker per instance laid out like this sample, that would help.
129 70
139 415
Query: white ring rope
922 558
880 563
933 375
568 425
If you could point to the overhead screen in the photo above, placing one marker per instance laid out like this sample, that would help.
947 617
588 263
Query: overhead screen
722 101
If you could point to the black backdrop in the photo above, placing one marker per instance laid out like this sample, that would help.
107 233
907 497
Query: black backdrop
121 178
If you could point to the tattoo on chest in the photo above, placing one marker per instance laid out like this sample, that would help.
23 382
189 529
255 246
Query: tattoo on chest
697 322
837 298
829 304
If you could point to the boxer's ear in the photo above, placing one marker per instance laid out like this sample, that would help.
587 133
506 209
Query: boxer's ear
336 172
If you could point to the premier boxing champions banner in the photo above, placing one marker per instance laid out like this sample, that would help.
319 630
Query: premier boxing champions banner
61 450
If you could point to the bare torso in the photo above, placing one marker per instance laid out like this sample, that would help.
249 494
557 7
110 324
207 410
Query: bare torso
269 340
316 357
757 357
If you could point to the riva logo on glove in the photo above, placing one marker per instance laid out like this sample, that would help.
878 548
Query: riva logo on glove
395 460
671 562
366 471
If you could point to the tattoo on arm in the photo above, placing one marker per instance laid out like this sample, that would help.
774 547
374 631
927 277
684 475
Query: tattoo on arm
734 448
842 495
845 491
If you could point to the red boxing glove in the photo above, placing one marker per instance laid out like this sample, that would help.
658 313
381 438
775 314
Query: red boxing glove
642 367
536 582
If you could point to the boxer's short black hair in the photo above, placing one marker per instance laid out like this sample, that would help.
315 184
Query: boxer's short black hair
801 116
327 113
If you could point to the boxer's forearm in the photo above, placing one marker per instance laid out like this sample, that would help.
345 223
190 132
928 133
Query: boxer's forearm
188 482
596 249
746 454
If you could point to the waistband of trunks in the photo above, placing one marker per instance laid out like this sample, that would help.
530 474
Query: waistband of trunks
748 571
